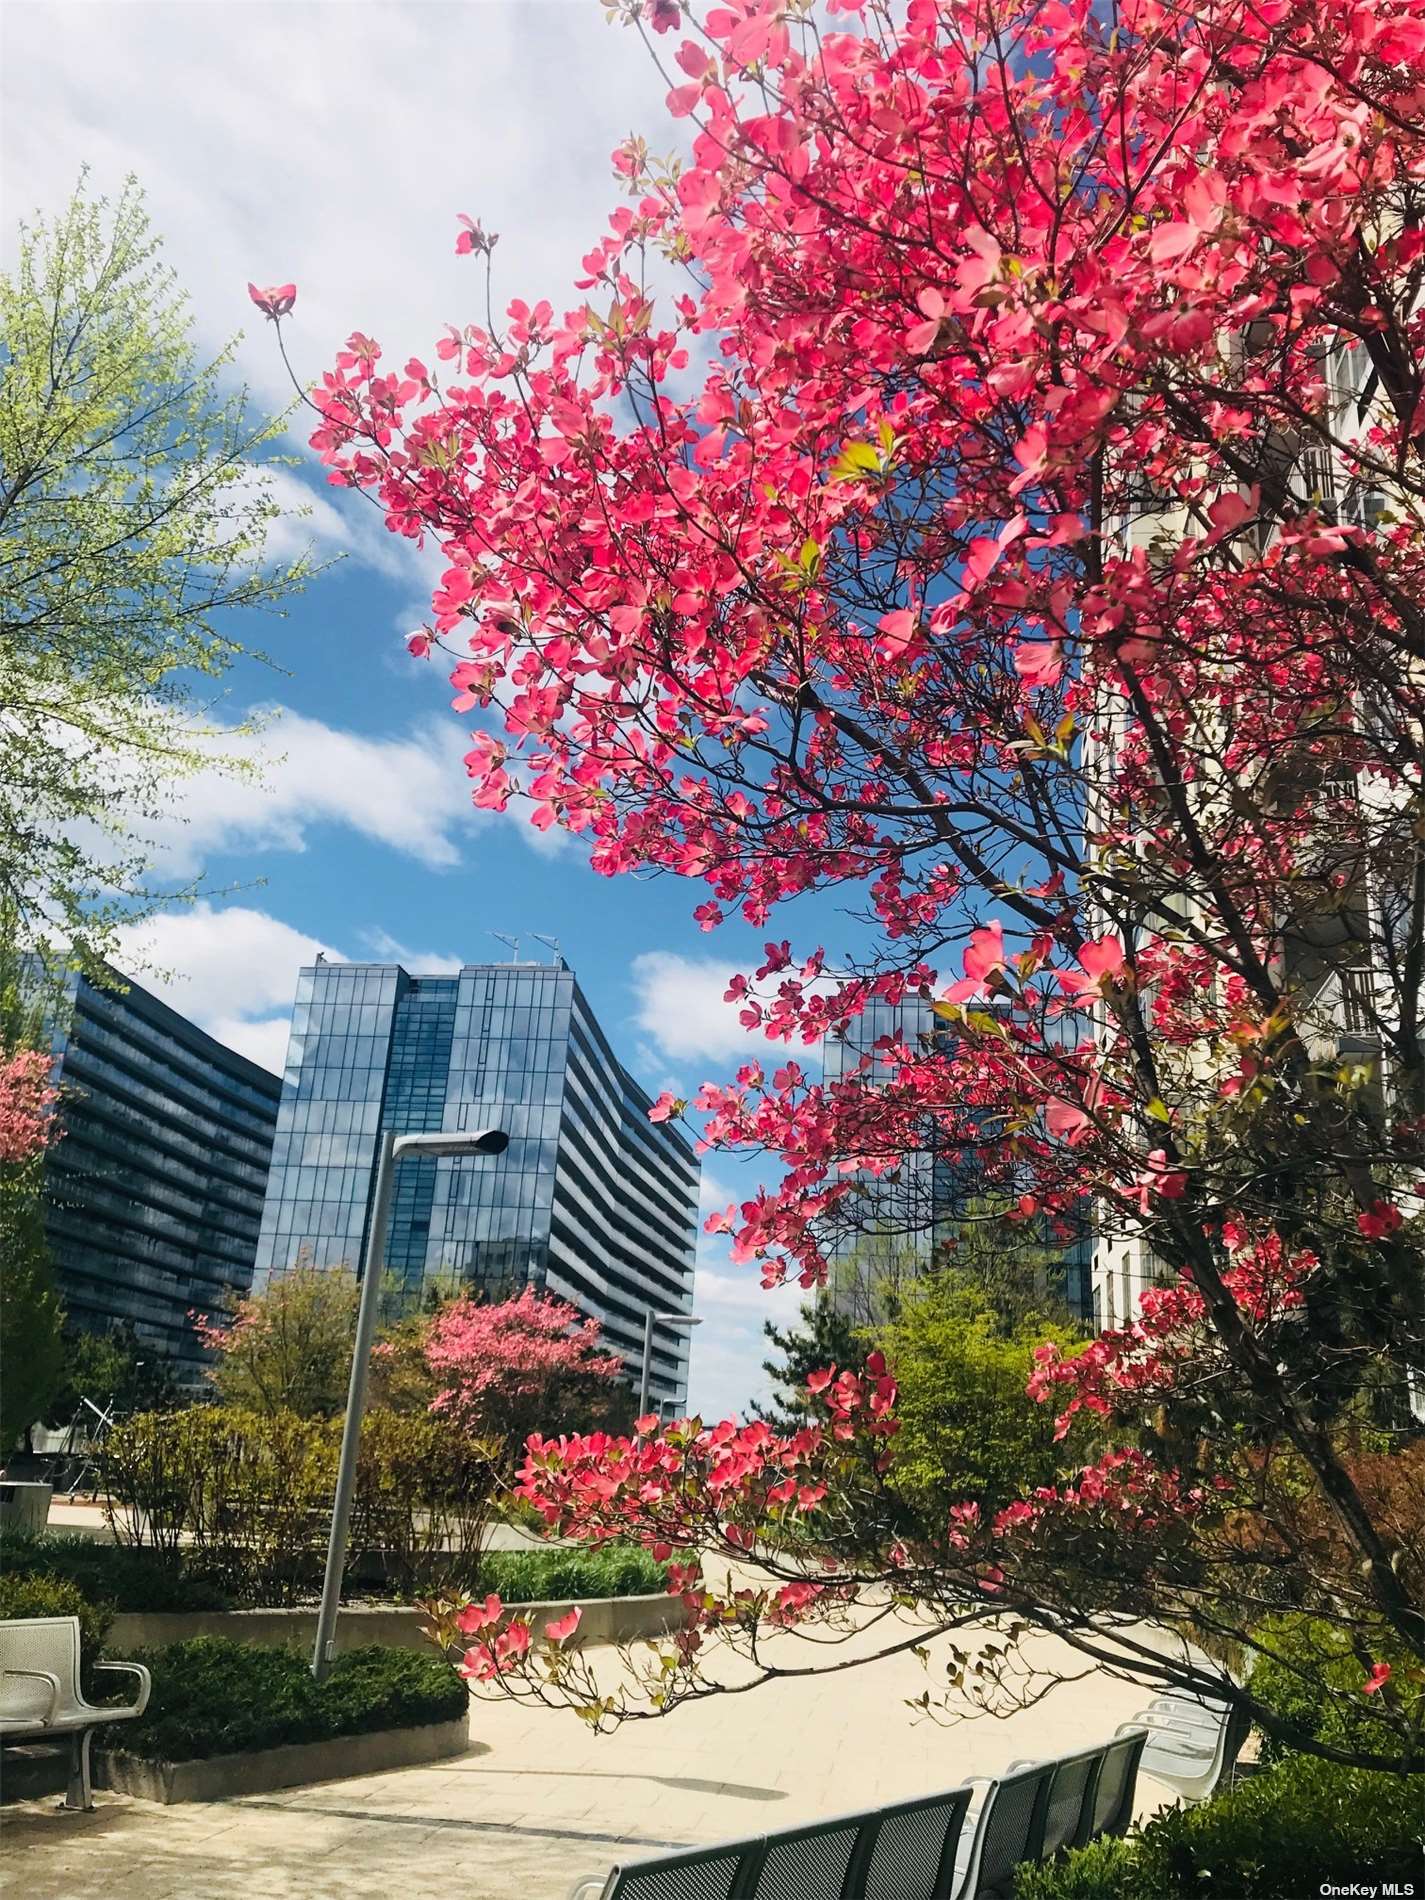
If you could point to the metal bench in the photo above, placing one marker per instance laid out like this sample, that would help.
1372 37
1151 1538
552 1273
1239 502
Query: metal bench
961 1845
903 1852
1192 1758
40 1696
1194 1737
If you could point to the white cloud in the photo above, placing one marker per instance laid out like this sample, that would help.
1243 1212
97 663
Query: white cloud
335 145
725 1375
715 1193
741 1290
263 1042
233 970
230 969
387 949
680 1006
410 792
339 522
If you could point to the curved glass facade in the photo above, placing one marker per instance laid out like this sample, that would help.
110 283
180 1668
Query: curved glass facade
154 1195
591 1201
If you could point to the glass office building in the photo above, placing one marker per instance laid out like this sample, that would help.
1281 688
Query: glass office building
889 1227
893 1228
591 1201
153 1196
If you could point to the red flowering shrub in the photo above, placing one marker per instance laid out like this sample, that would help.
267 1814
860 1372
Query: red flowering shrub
26 1099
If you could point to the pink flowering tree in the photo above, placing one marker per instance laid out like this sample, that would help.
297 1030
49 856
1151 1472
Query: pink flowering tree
26 1100
981 474
31 1314
509 1368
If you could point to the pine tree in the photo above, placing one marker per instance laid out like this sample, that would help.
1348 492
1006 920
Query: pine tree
823 1337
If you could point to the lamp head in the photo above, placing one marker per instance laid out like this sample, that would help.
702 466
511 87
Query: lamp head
471 1141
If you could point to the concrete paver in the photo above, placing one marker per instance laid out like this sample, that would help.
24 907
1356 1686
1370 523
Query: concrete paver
538 1801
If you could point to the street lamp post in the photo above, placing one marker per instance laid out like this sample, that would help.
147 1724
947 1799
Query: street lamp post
394 1148
650 1319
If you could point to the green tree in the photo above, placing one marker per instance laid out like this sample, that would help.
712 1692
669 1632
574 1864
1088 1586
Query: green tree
30 1310
969 1432
288 1348
31 1315
823 1336
134 511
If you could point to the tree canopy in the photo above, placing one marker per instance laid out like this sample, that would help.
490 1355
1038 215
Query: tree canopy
136 499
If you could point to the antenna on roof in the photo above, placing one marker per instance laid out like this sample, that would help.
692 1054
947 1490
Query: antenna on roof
513 942
553 943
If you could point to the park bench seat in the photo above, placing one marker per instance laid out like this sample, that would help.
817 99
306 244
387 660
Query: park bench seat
41 1699
961 1845
1194 1739
1195 1751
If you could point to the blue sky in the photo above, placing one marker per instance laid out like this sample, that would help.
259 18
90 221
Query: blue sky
334 144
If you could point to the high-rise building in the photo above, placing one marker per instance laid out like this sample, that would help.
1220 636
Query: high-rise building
1327 968
892 1228
154 1192
591 1201
888 1227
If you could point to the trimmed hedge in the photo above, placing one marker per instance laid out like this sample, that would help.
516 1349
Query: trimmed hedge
560 1575
213 1696
1278 1836
128 1580
117 1575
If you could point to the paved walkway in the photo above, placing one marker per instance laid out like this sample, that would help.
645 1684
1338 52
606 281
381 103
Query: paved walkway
538 1800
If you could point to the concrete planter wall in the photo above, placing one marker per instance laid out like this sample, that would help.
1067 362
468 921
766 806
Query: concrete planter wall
604 1620
263 1769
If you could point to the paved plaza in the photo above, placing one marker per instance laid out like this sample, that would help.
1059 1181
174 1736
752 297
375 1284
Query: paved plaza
538 1800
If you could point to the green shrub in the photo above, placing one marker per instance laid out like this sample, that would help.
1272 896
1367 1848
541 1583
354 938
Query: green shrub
212 1696
244 1497
377 1688
1308 1674
424 1494
561 1575
1107 1869
968 1430
32 1596
1278 1836
114 1574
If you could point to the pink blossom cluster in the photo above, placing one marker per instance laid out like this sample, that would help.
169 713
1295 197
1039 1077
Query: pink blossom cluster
494 1353
26 1099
